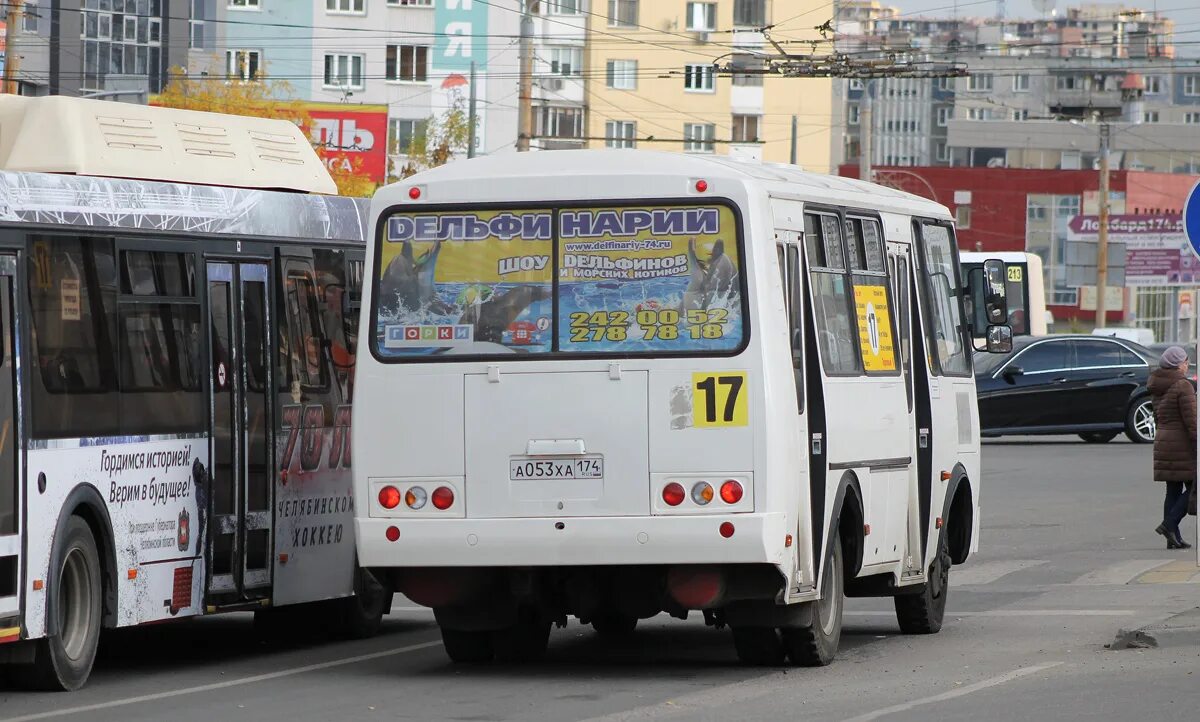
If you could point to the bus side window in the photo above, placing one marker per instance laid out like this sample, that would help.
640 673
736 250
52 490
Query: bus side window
73 309
837 337
304 323
944 325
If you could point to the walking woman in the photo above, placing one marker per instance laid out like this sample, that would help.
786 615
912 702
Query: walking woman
1174 439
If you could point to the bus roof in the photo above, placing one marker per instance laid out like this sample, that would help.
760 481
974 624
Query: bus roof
569 165
57 134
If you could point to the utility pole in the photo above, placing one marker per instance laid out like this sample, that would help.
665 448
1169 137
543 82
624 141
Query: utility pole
793 156
471 116
12 60
1102 242
525 93
864 133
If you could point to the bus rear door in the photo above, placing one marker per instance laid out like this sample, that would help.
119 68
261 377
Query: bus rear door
241 527
10 490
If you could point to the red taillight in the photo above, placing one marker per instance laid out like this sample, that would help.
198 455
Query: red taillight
731 492
673 494
726 529
443 497
389 497
392 533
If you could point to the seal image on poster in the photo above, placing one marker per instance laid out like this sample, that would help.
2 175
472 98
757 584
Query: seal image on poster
710 279
410 280
493 316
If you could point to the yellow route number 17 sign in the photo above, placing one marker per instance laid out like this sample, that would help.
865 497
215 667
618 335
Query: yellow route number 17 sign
874 328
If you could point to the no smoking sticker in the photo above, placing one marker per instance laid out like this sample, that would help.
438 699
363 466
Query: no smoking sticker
874 328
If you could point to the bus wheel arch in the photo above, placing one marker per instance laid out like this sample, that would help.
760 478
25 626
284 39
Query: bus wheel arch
958 515
848 519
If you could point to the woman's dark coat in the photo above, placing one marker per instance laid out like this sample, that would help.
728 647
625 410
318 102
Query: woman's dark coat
1175 436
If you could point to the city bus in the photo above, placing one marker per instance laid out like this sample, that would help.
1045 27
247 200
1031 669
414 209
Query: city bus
178 311
611 384
1027 314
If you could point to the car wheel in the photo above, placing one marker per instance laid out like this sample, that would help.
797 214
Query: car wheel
1098 437
1139 421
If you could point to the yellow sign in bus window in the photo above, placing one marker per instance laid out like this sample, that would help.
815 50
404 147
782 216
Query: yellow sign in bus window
720 399
1015 274
874 328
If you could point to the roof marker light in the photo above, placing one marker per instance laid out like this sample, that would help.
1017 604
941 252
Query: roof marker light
414 193
701 185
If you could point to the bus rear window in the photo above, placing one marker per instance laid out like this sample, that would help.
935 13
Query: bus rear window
645 279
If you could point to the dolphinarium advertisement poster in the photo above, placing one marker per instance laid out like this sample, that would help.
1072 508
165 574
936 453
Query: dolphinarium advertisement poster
647 279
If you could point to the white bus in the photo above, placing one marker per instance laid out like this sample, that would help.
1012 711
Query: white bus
1027 314
609 384
178 364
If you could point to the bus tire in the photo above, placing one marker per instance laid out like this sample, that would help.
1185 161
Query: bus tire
758 646
525 641
923 613
63 661
362 612
611 626
817 644
467 646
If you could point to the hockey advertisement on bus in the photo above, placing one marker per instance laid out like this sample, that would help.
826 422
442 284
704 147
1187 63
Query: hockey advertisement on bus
579 280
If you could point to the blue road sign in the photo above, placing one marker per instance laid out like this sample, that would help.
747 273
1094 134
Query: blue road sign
1191 219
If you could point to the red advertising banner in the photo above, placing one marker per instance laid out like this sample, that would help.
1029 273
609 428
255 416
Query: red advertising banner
351 138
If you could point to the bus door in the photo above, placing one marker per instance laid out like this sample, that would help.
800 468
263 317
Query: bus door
899 268
10 490
241 499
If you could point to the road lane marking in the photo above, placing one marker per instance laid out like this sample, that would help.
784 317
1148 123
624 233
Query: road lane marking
955 693
988 572
223 685
1017 613
1119 573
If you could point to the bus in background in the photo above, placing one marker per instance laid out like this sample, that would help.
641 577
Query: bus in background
609 384
1027 314
178 365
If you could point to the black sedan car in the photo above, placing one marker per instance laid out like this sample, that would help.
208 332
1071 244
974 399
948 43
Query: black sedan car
1093 386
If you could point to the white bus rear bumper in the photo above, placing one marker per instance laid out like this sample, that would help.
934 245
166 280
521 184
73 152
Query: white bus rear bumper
583 541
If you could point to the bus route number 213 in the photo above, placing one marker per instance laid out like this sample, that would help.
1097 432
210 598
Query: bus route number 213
720 399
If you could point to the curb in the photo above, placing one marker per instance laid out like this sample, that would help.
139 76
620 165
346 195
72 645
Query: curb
1178 630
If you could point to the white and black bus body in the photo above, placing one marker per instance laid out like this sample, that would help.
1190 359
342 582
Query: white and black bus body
785 416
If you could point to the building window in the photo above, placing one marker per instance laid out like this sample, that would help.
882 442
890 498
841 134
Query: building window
560 122
1154 85
1150 116
699 137
343 71
944 114
748 80
1035 210
1191 118
29 21
962 217
411 3
621 74
942 151
702 17
242 65
749 13
944 83
196 25
357 7
1191 85
982 81
623 13
120 44
243 5
408 63
852 113
561 7
979 114
1021 83
698 78
566 60
1069 82
402 132
745 128
856 84
620 134
1020 115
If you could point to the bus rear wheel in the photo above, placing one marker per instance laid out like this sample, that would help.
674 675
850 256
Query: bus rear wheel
817 644
63 661
467 646
362 613
923 613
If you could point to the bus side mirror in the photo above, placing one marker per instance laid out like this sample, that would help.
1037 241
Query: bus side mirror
1000 339
995 293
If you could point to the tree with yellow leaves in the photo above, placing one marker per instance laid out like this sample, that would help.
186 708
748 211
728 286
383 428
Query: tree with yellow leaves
263 98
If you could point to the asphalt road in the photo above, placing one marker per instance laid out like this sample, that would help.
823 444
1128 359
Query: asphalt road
1068 556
